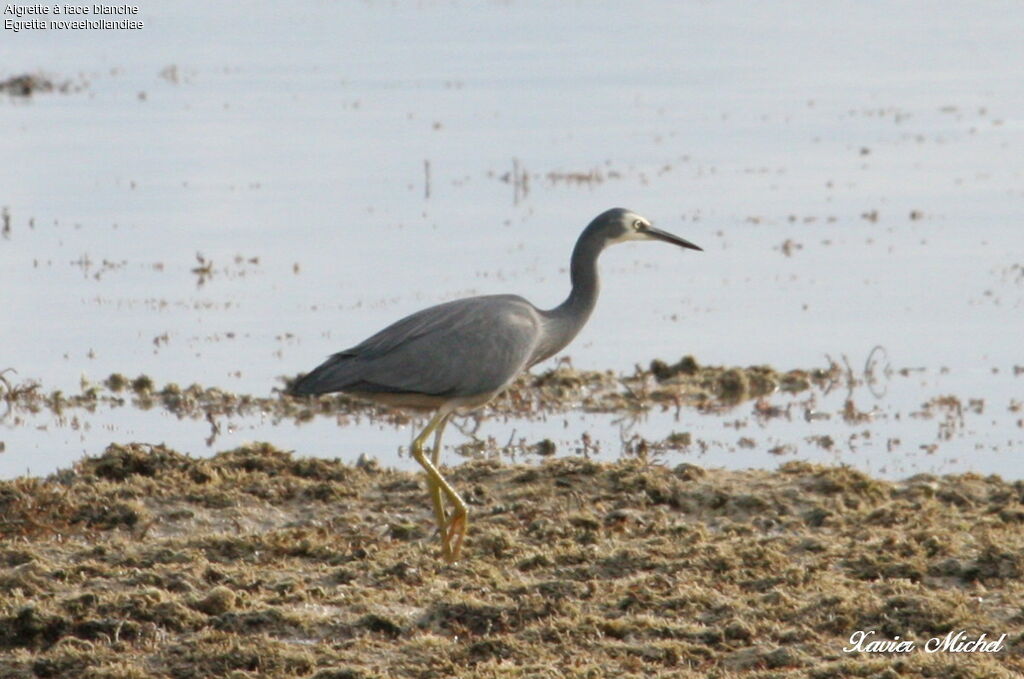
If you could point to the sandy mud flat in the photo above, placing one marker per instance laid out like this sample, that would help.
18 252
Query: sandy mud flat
144 562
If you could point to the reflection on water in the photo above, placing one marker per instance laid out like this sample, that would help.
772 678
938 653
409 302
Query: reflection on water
225 199
839 417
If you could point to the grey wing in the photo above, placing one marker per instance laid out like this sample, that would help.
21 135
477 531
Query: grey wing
463 348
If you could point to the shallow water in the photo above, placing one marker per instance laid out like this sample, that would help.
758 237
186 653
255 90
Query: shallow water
854 182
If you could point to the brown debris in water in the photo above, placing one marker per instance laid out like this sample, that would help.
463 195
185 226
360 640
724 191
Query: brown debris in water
558 390
28 84
143 562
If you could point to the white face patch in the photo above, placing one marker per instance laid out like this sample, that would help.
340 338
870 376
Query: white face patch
631 232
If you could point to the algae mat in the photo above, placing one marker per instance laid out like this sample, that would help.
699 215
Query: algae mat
144 562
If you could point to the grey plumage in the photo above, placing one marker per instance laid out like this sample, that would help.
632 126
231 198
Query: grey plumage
460 354
461 348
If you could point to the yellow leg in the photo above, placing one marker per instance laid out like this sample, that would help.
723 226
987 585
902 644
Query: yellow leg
453 530
433 487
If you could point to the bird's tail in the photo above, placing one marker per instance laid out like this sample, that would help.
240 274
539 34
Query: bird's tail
329 376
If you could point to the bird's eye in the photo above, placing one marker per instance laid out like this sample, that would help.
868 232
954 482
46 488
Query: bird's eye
639 225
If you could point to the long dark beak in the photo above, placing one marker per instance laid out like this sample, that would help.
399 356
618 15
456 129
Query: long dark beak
670 238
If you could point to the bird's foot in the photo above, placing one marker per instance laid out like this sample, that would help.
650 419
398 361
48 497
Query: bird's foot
451 540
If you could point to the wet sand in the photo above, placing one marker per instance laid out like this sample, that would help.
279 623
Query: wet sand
144 562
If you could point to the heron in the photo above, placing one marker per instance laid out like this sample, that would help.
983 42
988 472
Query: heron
454 357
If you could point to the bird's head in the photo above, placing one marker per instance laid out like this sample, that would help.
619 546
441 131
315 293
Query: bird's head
619 225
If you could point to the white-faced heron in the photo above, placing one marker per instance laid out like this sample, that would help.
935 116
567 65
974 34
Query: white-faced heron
457 356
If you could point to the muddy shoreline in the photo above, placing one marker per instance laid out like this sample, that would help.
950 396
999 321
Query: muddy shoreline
144 562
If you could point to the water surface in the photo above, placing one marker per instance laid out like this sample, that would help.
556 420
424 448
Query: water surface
854 179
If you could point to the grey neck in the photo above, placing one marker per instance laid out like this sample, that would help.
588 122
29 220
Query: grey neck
565 321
